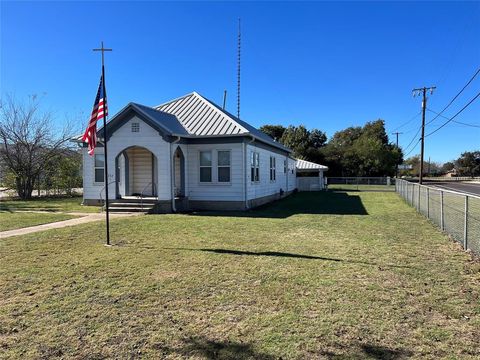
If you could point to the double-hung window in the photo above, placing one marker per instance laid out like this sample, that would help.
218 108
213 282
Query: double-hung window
255 167
273 170
99 168
223 166
205 166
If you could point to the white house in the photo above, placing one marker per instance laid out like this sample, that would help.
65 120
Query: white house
187 154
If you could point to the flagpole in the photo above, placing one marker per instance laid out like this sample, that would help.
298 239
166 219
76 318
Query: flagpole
106 157
105 112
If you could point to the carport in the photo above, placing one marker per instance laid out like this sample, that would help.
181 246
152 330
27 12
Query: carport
310 176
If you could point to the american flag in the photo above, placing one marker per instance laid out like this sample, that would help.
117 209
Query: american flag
100 109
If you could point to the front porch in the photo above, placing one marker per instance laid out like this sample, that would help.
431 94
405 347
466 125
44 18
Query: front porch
137 185
136 174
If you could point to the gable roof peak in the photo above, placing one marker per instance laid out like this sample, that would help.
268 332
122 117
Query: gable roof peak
202 117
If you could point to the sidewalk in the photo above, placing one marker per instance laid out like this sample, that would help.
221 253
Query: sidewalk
86 218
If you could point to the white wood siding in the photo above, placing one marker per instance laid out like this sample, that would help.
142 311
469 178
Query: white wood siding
184 149
310 183
178 173
121 140
91 190
122 182
216 191
142 171
292 175
265 187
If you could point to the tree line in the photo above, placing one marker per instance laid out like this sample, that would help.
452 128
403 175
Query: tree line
355 151
364 151
34 153
467 164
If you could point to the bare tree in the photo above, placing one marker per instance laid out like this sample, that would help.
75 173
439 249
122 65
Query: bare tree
28 142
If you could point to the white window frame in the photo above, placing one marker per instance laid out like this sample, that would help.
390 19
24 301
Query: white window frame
273 169
229 166
255 167
200 166
135 127
95 167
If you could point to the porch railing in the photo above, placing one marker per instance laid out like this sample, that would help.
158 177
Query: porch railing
154 188
103 190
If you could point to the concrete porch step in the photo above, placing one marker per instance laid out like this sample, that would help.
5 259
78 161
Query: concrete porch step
131 205
134 200
134 204
120 209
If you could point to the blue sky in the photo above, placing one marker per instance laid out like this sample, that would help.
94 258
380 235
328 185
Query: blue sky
324 65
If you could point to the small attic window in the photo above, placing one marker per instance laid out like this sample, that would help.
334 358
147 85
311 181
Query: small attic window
135 127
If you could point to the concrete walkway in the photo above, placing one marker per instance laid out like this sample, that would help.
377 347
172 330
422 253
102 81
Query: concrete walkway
86 218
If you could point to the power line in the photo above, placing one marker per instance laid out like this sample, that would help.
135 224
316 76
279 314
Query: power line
407 122
455 97
413 139
462 123
456 122
412 148
410 131
454 116
438 114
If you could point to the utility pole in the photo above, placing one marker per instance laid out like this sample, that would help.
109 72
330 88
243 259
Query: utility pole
416 92
396 167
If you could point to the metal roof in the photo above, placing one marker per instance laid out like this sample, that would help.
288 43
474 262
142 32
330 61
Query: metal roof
193 116
309 166
165 120
202 117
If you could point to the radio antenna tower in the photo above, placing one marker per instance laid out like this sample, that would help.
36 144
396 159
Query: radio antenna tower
238 69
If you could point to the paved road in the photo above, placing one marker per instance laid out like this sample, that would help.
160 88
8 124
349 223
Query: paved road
464 187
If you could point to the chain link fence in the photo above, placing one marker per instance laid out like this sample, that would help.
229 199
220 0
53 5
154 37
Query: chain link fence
361 183
455 213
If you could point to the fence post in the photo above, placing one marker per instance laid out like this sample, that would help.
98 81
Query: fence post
419 198
428 203
441 211
465 231
413 193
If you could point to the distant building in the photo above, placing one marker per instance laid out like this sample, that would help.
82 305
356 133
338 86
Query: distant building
451 173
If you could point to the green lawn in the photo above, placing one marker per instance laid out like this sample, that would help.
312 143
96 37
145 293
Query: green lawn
317 275
13 220
48 204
